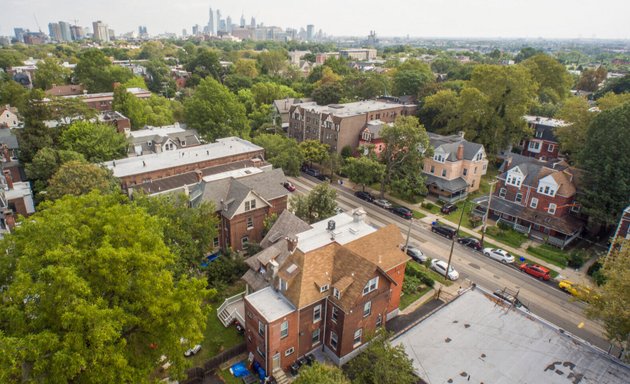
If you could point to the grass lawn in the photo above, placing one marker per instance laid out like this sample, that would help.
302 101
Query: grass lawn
550 254
228 377
454 216
418 215
407 300
429 206
217 338
507 236
431 273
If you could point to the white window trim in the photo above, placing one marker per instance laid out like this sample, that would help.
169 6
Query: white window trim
502 193
334 336
534 203
317 309
319 337
552 209
368 306
337 294
354 338
324 288
250 220
284 329
551 147
334 314
516 198
261 328
289 351
371 285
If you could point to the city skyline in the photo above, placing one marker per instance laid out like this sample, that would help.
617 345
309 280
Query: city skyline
459 18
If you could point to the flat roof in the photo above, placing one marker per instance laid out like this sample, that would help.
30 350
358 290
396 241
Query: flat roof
270 304
545 121
225 147
162 131
474 339
351 109
346 230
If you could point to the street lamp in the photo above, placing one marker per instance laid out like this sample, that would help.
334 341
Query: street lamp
485 218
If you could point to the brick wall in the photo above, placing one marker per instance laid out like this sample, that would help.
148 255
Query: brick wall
398 275
307 327
237 226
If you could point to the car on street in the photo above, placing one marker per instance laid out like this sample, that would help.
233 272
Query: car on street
536 270
499 255
509 298
367 196
193 351
577 290
448 208
470 242
447 232
403 212
383 203
311 171
415 253
439 266
289 186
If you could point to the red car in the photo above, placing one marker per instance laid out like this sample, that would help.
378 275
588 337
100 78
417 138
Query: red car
290 187
536 270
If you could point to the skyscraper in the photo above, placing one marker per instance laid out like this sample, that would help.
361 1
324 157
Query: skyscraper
101 32
228 24
195 29
54 31
218 21
211 22
77 32
19 34
253 22
66 35
242 24
310 32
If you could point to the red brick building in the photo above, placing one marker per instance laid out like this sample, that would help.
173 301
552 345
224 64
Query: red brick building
104 101
537 198
544 144
371 137
325 288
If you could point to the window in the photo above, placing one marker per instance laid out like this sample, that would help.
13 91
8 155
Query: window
534 146
284 329
336 293
514 180
357 338
432 169
479 156
289 351
261 328
317 313
551 209
439 158
260 352
551 147
465 171
250 223
323 288
534 202
519 197
539 134
333 341
183 143
247 207
502 193
444 173
335 314
576 208
315 337
251 204
370 286
282 284
475 170
215 242
367 309
379 320
244 240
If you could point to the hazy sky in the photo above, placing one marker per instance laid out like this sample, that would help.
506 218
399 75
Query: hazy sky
422 18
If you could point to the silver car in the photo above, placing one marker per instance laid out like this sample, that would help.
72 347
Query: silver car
383 203
439 266
499 255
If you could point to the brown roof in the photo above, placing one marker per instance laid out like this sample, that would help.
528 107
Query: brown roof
343 283
381 247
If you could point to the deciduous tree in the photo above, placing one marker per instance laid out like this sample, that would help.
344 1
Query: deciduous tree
96 141
45 163
319 373
364 170
319 204
281 152
573 137
93 300
554 82
50 72
410 77
591 79
313 150
79 178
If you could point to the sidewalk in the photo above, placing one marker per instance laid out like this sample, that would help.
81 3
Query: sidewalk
564 273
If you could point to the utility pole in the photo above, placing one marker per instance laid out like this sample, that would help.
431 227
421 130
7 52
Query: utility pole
485 218
450 255
408 234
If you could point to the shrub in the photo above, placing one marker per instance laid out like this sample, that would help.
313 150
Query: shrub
504 226
411 284
420 275
594 268
577 258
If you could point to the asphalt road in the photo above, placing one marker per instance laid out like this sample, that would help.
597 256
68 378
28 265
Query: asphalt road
543 299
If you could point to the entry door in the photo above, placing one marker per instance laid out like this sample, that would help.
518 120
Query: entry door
276 362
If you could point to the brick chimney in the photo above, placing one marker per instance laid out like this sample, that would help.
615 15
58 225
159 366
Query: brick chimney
508 163
7 176
460 152
6 154
292 243
199 175
9 219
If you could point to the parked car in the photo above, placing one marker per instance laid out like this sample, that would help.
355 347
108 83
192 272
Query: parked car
444 231
499 254
311 171
416 254
439 266
193 351
577 290
367 196
536 270
470 242
403 212
509 298
322 177
383 203
448 208
289 186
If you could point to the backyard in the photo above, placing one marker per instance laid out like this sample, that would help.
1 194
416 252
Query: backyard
217 338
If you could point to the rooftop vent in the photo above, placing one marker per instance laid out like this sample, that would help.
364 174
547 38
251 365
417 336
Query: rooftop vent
331 225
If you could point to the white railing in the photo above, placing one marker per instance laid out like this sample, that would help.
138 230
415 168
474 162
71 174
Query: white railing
226 303
238 317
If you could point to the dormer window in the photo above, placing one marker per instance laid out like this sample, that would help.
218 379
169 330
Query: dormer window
479 156
547 190
439 158
323 288
370 286
336 293
514 180
539 134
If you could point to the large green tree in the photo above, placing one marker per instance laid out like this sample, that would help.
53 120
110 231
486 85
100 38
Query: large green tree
319 373
96 72
79 178
93 300
13 94
273 62
96 141
573 136
382 363
410 77
314 151
267 92
281 152
215 112
605 159
155 111
590 79
554 82
45 163
205 63
50 72
319 204
364 170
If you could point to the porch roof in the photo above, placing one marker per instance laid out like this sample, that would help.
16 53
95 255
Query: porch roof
453 186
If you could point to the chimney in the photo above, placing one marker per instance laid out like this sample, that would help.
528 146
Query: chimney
508 163
460 152
7 176
199 175
358 216
292 243
9 219
158 148
5 153
461 134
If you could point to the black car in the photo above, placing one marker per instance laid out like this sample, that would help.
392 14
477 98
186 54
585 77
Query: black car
416 254
311 171
470 242
367 196
448 208
444 231
403 212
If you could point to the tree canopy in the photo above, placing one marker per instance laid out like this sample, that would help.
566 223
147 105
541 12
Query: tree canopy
319 204
410 77
98 142
77 178
364 170
321 374
96 72
573 137
554 82
93 300
50 72
313 150
281 152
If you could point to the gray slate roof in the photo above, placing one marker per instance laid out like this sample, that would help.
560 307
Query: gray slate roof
287 225
454 185
8 138
449 144
530 166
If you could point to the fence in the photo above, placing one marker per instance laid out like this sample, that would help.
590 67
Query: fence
224 356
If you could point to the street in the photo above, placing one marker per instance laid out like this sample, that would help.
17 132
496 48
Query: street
543 299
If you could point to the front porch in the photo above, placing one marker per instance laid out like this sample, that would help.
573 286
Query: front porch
449 191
